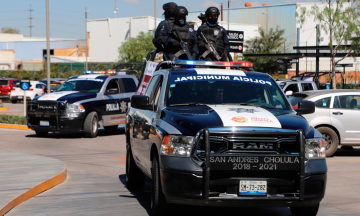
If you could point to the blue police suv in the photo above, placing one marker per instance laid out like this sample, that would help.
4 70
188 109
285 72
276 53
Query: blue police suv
83 103
211 134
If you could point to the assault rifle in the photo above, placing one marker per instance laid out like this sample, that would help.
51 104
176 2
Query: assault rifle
210 48
184 47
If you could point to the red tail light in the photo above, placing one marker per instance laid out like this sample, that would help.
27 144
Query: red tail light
12 88
43 91
30 89
295 107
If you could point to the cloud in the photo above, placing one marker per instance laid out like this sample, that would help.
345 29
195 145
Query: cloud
209 4
132 1
255 4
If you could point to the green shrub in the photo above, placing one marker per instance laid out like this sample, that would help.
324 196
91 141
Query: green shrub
11 119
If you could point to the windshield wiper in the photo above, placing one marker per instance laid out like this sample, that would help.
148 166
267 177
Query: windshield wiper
257 105
188 104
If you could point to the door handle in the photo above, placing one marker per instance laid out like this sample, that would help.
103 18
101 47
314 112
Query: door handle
338 113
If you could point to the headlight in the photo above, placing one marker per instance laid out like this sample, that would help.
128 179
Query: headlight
315 148
177 146
73 110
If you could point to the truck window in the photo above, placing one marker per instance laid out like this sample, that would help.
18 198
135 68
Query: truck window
307 86
129 84
292 87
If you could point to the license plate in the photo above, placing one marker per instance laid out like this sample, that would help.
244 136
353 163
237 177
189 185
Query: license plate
253 188
44 123
20 97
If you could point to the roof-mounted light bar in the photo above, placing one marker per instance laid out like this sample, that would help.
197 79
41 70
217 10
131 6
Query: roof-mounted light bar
212 63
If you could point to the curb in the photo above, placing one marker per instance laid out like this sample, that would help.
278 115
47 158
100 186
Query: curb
13 126
4 109
60 178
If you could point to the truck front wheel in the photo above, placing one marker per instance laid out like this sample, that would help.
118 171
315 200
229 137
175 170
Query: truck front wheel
158 201
308 210
91 127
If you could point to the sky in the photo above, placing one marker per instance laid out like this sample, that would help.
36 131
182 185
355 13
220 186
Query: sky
67 17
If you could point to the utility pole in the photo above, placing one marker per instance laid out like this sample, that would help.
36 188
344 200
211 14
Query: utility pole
30 21
154 14
86 35
116 9
229 14
48 46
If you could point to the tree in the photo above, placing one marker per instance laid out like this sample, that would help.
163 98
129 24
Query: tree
10 30
135 49
339 19
267 43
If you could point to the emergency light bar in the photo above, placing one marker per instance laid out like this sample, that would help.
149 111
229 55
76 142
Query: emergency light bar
212 63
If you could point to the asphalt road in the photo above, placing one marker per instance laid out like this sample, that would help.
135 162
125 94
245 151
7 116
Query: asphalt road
96 180
14 109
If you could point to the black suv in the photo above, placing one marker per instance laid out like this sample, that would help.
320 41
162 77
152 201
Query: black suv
223 137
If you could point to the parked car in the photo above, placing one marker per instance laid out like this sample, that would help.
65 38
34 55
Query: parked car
36 89
6 86
336 116
297 85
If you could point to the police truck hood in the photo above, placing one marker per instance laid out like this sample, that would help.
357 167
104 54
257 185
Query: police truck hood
190 119
69 96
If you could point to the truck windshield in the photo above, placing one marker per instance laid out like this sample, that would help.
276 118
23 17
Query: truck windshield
224 89
82 85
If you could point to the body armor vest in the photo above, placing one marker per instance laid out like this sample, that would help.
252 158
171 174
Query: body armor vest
184 33
213 35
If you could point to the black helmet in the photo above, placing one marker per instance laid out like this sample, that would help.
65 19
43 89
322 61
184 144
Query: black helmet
202 17
180 10
170 6
212 10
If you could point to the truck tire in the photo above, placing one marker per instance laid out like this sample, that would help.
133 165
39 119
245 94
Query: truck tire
111 128
331 140
158 202
135 178
41 133
301 211
13 101
91 126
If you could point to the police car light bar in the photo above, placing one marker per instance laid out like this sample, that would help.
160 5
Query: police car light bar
212 63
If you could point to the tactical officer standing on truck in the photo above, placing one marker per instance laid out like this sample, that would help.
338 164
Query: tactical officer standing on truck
213 41
169 9
179 41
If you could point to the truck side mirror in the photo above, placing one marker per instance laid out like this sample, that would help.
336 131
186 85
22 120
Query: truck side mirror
305 107
141 102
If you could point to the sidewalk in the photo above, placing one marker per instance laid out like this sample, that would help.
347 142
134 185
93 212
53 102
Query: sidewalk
23 176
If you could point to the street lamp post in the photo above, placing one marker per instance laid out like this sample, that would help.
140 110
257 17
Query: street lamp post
86 50
47 46
229 14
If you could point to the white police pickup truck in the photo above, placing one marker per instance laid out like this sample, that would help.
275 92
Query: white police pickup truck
83 103
208 133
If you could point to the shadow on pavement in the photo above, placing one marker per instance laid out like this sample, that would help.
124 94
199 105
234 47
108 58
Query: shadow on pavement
347 152
79 134
144 195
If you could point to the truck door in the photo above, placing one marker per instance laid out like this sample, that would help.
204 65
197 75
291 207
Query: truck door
113 108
